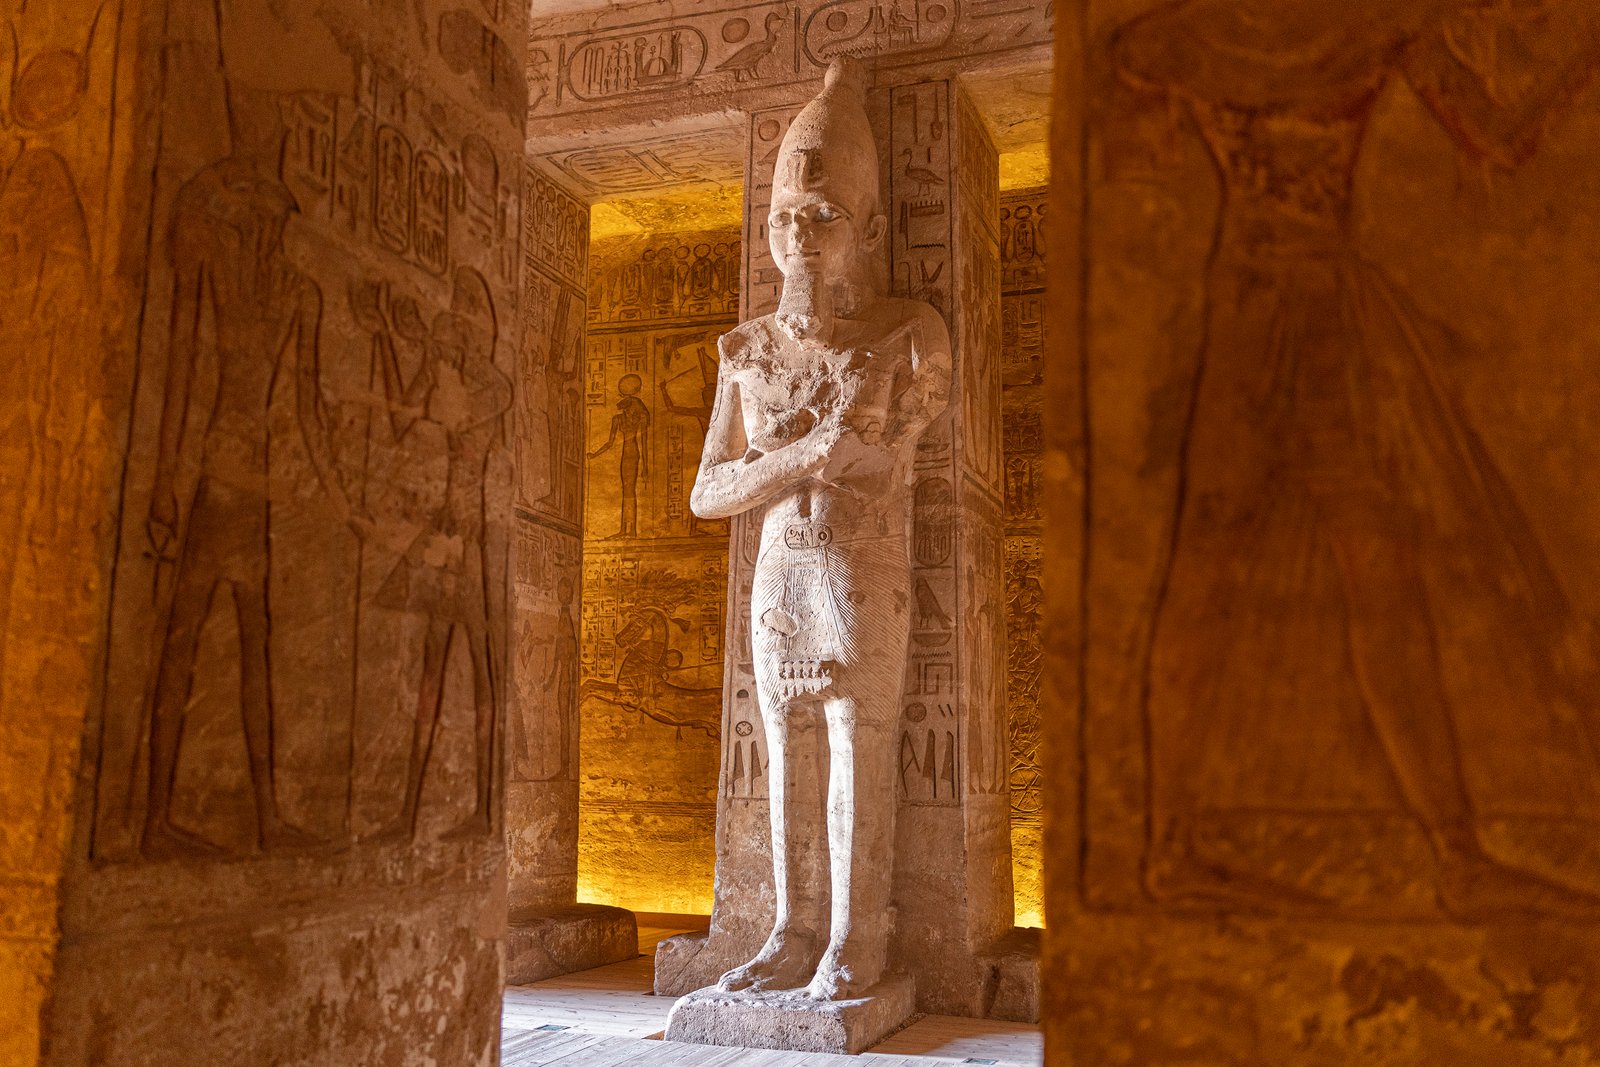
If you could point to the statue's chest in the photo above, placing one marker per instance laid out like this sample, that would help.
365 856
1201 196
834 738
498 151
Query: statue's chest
785 397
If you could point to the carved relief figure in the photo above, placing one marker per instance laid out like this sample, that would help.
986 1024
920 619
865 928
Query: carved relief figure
818 410
1329 467
561 681
444 572
241 313
647 679
649 676
705 369
45 272
632 424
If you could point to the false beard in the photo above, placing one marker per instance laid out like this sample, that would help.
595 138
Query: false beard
805 309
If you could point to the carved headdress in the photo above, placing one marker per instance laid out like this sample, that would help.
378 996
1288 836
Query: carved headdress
830 146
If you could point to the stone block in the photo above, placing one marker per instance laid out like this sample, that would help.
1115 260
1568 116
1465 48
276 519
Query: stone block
1011 976
790 1020
546 944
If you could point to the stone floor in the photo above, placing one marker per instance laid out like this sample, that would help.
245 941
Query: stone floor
608 1017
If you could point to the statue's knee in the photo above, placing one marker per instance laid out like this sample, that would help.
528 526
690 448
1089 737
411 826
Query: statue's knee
871 714
788 714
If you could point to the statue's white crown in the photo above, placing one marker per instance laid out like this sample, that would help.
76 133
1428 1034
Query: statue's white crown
829 147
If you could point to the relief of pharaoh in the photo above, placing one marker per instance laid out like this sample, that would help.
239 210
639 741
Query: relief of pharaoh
817 414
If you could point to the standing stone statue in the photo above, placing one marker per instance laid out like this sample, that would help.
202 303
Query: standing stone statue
818 410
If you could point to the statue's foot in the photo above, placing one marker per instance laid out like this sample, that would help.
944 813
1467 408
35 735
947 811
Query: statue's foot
843 974
1182 875
278 836
400 829
164 841
785 962
1479 888
475 826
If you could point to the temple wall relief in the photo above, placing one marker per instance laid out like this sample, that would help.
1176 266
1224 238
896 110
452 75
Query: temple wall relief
655 576
1337 668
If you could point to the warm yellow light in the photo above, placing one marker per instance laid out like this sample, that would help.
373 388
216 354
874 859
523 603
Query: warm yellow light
704 207
1027 873
1028 168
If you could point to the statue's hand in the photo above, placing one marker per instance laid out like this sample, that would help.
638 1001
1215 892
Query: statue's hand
855 456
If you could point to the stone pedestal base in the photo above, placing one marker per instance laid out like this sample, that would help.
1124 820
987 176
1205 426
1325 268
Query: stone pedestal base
1001 982
790 1020
546 944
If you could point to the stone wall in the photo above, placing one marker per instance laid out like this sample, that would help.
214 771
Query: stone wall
655 576
304 226
1319 449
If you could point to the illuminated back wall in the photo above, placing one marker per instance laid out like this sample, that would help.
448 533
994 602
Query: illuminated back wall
655 576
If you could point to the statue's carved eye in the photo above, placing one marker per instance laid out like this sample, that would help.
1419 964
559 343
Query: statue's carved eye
780 219
826 214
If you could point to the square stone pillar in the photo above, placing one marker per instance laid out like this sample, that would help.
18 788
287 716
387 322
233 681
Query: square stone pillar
550 933
259 267
952 882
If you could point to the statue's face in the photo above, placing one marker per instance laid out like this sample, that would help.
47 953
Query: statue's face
814 233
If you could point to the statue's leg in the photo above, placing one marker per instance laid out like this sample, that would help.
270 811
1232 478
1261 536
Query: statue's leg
794 786
861 810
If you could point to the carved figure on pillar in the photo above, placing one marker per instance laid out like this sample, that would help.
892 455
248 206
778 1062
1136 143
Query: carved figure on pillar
242 310
443 572
817 414
1349 472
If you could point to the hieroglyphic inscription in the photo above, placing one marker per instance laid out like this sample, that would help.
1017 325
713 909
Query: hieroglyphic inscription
648 53
556 230
550 400
921 192
1024 602
383 173
648 397
1022 376
944 250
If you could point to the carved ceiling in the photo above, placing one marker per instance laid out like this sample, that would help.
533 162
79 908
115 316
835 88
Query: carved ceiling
649 100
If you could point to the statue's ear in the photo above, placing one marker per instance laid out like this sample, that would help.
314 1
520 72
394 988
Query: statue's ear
873 236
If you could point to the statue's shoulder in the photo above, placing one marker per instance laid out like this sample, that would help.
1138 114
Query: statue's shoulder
742 345
919 315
